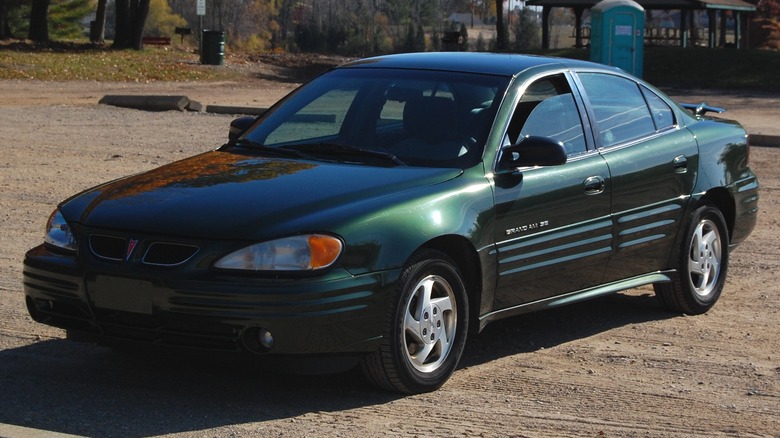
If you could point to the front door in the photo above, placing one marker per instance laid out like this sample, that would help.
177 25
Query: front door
553 230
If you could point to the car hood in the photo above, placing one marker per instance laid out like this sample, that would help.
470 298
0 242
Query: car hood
227 195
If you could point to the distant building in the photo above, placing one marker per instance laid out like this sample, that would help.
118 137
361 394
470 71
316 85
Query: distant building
466 18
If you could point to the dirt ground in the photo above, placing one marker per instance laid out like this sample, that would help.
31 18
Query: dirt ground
617 366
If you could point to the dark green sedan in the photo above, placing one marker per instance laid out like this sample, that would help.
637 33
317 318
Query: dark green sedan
386 209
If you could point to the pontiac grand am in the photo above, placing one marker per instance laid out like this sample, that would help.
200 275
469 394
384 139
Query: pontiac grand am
391 206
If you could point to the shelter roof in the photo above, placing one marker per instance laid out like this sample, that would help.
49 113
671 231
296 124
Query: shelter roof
733 5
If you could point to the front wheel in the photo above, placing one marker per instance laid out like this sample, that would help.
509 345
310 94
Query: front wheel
701 264
425 328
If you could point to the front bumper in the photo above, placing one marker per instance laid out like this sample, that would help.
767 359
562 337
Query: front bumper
329 314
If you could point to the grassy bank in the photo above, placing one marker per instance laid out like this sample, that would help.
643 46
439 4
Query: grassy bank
67 62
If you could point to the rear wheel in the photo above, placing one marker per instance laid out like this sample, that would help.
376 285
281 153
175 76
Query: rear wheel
425 329
702 262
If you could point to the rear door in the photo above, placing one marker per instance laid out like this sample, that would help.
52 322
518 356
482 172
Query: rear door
652 164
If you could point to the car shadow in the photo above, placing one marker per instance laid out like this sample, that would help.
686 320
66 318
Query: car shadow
552 327
86 389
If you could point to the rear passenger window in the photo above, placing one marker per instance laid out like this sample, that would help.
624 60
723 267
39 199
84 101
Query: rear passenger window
619 108
663 117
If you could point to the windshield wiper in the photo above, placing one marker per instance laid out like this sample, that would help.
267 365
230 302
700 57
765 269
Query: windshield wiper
283 152
344 149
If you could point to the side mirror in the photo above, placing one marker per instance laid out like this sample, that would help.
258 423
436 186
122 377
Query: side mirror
238 126
532 151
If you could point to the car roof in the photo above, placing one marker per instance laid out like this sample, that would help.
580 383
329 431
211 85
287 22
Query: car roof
502 64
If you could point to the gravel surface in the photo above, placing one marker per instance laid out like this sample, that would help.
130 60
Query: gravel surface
616 366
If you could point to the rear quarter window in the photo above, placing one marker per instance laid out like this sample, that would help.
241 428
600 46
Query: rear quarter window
662 114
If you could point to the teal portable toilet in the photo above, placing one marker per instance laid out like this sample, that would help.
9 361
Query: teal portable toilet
617 37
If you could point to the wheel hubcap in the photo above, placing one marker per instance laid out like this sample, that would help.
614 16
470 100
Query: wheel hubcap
704 258
429 323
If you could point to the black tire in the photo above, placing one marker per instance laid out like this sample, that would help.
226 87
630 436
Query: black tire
702 262
425 327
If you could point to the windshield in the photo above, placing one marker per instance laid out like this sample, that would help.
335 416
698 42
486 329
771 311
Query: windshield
400 117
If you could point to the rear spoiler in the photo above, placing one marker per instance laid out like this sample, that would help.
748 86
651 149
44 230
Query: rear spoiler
702 108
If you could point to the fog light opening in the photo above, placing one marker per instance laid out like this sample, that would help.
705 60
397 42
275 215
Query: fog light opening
266 339
258 340
36 307
31 308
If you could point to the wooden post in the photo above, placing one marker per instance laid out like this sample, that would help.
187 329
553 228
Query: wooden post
546 27
578 26
711 26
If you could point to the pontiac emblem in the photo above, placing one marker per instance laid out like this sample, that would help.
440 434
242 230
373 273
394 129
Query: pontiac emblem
130 247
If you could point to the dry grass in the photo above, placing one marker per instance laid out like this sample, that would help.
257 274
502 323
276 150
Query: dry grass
72 61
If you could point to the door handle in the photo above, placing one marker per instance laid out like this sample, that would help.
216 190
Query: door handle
680 164
594 185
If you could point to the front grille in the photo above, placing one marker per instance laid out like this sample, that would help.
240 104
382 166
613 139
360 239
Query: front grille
168 254
165 254
108 247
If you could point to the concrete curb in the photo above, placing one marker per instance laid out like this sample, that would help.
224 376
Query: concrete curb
152 103
245 110
772 141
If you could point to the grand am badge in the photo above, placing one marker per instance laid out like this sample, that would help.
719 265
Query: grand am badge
529 227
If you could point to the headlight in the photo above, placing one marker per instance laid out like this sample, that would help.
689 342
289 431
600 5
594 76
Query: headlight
297 253
59 233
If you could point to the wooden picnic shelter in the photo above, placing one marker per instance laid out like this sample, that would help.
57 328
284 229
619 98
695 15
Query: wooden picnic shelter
715 9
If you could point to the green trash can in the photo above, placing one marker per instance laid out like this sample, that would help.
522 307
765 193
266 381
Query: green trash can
212 50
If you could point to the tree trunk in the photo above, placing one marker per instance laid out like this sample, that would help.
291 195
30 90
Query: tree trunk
97 32
5 28
130 20
121 30
39 20
501 36
137 24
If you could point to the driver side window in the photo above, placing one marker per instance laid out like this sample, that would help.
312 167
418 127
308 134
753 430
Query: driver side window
547 109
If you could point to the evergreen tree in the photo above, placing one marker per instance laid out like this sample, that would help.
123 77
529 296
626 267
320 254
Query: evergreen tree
12 17
66 17
464 36
527 31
